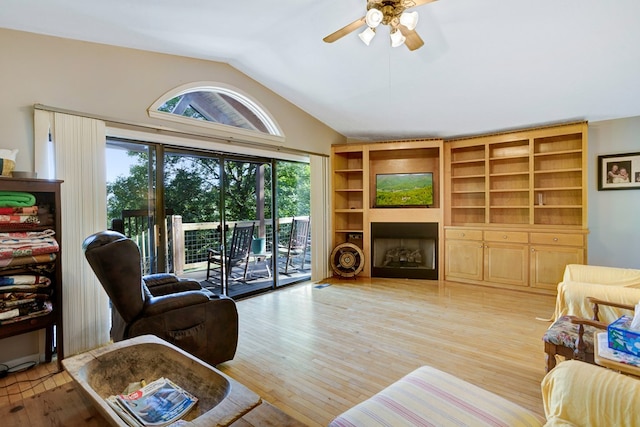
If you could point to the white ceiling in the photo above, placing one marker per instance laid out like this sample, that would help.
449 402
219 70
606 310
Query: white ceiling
486 65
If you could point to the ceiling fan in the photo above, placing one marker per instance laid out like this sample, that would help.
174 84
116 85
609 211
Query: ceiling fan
388 12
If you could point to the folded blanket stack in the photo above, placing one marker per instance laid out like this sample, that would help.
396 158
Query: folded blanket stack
24 296
29 243
18 210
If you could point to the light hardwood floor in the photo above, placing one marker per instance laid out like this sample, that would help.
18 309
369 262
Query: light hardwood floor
314 352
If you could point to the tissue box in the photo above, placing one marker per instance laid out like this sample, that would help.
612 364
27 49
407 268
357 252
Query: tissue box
622 338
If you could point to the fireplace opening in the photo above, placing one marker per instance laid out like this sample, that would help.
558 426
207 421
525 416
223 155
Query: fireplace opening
404 250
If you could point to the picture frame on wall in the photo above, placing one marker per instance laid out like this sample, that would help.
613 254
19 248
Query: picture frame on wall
619 171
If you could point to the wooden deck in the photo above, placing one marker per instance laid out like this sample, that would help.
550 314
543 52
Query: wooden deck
313 351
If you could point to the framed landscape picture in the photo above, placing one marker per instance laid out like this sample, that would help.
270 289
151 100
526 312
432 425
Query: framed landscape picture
619 171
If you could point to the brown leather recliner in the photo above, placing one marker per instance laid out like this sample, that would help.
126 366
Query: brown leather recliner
177 310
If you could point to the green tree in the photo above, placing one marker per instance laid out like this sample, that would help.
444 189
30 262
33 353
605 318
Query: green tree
294 189
192 188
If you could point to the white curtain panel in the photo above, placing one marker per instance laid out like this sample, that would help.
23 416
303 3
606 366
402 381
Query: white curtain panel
72 149
320 218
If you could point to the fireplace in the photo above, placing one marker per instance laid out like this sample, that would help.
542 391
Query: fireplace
404 250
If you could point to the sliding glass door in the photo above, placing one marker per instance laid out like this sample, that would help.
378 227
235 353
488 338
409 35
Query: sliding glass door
131 199
248 211
191 195
212 216
293 216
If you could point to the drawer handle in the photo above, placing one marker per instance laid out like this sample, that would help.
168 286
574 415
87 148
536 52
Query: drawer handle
504 237
555 239
462 235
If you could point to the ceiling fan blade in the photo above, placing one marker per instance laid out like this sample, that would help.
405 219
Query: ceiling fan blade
416 3
413 41
344 30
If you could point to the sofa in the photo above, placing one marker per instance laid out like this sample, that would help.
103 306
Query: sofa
619 285
574 393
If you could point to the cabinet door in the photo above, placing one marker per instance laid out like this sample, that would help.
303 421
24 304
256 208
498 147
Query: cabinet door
548 263
463 259
506 263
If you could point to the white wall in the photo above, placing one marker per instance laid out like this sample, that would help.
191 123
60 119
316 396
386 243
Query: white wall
119 84
614 216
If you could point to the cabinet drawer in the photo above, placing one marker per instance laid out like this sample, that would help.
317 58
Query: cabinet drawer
463 234
557 239
506 236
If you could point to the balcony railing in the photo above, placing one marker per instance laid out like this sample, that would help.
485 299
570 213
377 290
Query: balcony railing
189 241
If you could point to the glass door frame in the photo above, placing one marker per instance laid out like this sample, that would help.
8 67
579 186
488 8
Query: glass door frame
224 217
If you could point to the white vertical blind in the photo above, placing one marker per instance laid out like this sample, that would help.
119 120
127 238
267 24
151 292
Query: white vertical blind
320 218
78 159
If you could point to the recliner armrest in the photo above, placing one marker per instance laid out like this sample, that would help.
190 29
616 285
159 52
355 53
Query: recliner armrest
166 283
162 304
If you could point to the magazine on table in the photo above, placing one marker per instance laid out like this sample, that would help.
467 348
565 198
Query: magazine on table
158 403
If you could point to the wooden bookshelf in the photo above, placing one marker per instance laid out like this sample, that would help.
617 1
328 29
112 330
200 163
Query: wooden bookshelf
531 181
354 168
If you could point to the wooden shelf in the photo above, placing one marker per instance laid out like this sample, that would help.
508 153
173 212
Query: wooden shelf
468 176
354 169
509 174
466 162
555 153
349 170
521 169
46 192
515 169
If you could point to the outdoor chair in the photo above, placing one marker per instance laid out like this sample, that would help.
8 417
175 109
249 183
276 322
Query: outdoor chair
573 337
296 245
237 254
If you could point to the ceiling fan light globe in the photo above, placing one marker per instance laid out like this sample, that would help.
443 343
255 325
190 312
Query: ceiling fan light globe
374 18
409 20
367 35
397 39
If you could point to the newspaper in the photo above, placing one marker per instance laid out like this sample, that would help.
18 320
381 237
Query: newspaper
159 403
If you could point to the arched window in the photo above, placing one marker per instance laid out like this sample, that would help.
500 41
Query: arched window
221 108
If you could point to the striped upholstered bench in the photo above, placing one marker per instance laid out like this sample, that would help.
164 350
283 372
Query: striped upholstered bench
429 397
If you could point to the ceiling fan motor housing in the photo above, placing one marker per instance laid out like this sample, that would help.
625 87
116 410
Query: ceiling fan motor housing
391 10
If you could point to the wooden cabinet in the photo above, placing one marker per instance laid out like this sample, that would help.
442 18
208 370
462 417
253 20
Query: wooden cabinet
500 201
47 195
550 253
506 257
526 192
464 254
500 257
353 171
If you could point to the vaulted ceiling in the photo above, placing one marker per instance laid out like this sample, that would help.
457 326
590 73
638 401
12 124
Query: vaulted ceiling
486 65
